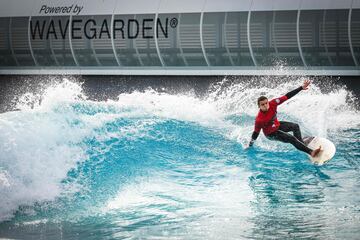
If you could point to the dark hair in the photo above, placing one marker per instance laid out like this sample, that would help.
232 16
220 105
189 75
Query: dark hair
262 98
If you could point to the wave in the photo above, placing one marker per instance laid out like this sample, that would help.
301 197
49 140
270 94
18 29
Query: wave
57 143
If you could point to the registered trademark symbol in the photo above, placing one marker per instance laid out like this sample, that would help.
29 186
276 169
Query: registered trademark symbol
173 22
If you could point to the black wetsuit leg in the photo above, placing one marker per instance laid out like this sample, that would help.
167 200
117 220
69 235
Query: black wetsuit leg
285 137
291 127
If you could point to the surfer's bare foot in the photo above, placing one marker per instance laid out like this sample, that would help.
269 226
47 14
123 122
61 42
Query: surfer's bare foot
315 152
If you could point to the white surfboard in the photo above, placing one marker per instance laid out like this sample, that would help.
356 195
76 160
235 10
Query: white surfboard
327 151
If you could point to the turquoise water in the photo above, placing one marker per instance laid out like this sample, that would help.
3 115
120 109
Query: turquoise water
154 165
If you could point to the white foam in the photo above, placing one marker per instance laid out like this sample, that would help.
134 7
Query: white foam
38 146
226 200
179 107
37 151
56 94
4 179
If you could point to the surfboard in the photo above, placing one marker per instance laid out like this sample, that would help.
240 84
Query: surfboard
327 151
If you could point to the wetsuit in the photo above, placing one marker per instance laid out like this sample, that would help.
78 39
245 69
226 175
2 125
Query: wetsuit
275 130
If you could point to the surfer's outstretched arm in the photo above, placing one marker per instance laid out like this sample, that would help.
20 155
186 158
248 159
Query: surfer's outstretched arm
297 90
293 92
254 136
280 100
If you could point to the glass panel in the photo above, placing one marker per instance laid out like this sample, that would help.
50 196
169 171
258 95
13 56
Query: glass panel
355 33
311 29
101 42
6 57
260 32
284 38
236 38
190 39
83 29
168 40
214 41
60 43
335 37
20 41
41 28
125 30
145 41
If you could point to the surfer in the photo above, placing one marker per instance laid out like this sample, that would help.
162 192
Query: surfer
278 130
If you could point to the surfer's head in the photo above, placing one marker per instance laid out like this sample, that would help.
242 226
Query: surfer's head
263 103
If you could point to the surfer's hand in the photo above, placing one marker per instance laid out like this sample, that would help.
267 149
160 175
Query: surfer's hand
306 84
248 146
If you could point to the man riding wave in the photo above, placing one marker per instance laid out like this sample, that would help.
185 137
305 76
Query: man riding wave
278 130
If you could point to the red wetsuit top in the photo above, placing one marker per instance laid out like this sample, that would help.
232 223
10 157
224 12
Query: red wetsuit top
267 121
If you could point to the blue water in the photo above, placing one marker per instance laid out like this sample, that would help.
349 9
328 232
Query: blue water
153 165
